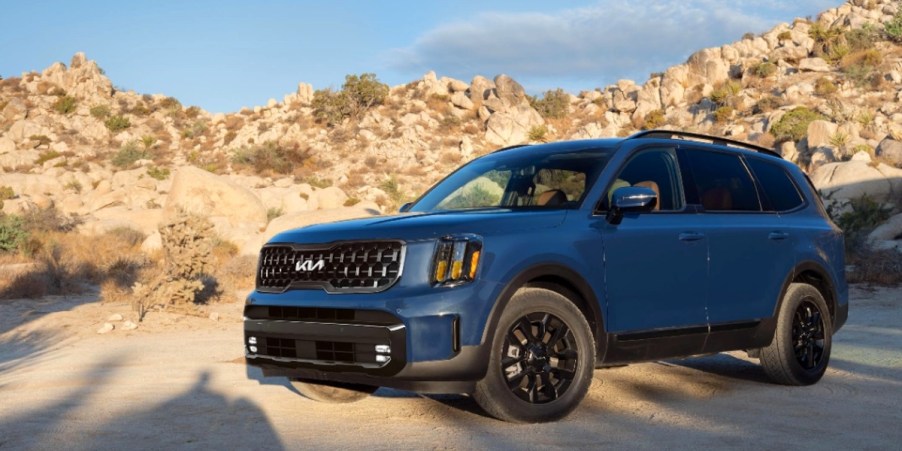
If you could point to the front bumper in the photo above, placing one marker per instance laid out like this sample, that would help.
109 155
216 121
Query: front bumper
361 346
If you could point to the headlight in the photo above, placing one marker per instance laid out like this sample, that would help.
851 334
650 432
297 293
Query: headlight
456 259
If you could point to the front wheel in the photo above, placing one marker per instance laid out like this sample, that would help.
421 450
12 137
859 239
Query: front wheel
542 359
334 393
800 350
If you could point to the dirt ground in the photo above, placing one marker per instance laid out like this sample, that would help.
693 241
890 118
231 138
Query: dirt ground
180 382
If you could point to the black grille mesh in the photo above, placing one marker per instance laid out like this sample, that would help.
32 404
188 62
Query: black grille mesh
345 267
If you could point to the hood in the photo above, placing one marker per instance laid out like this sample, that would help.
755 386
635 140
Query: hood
425 225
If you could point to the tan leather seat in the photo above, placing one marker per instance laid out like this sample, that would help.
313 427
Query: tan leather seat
654 187
551 198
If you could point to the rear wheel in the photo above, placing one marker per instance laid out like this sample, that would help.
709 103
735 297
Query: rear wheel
541 362
332 393
800 350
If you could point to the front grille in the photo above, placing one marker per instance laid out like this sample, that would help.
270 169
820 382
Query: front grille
320 315
348 267
332 352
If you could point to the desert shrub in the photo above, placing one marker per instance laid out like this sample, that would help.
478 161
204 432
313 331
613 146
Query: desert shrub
269 157
117 123
329 107
42 140
654 119
554 104
393 189
764 69
229 137
74 185
538 133
273 213
784 36
127 155
351 201
863 215
723 114
358 94
862 38
100 112
198 128
748 35
824 87
187 246
46 156
860 66
6 192
766 104
893 29
170 103
192 112
49 220
793 126
65 105
881 267
148 141
723 93
317 182
12 232
158 173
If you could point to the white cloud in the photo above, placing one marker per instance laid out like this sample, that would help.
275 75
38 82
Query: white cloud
593 45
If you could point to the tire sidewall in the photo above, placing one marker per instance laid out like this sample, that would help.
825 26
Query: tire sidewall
494 386
795 297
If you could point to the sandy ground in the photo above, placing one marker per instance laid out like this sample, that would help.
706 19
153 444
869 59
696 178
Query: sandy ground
181 382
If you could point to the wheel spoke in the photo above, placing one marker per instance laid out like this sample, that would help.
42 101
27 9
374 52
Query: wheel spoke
563 373
542 328
547 387
532 388
809 350
559 332
525 327
509 361
566 354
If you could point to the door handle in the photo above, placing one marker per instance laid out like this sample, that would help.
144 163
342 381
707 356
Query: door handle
691 236
777 236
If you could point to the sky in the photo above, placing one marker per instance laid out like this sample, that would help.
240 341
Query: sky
222 55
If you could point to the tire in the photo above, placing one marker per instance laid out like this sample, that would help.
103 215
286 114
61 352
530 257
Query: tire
537 375
800 351
333 393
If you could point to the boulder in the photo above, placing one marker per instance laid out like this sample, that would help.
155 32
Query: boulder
512 126
889 150
891 230
814 65
820 132
6 145
209 195
841 182
460 100
509 91
478 88
331 197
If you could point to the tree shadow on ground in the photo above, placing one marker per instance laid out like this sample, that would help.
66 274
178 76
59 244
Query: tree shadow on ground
197 418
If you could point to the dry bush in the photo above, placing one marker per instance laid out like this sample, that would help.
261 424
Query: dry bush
187 246
440 103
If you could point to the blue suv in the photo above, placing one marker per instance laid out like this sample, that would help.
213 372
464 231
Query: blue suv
523 271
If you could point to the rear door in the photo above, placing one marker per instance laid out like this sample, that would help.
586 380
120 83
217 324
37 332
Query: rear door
749 251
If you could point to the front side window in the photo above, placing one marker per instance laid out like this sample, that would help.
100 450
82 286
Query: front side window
520 178
722 182
657 170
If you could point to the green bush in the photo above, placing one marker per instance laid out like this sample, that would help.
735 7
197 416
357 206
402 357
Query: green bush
893 28
554 104
865 214
65 105
723 114
269 157
128 155
6 192
538 133
824 86
117 123
793 126
764 69
654 119
100 112
158 173
44 157
358 94
862 38
12 232
722 94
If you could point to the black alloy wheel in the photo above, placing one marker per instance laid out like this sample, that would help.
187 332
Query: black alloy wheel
540 358
808 335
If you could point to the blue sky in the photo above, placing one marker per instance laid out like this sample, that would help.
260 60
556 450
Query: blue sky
222 55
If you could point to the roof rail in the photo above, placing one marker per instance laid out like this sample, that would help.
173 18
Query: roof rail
676 134
515 146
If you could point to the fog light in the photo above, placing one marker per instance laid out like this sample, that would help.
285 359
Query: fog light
383 349
252 348
382 358
252 340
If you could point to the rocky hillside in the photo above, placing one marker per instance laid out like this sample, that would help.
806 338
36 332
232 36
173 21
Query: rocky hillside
824 93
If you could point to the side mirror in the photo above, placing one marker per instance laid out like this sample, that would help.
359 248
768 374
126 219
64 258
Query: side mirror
405 207
631 199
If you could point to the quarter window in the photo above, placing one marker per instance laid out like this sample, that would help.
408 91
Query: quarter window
722 182
782 194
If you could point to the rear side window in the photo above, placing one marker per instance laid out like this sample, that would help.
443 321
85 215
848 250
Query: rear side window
722 182
777 185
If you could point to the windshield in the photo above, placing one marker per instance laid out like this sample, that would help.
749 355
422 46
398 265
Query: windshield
518 179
